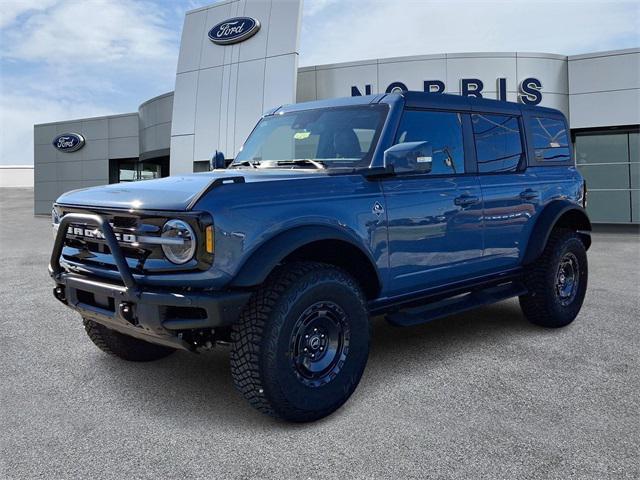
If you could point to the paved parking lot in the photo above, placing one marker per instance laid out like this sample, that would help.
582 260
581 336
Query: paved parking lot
478 395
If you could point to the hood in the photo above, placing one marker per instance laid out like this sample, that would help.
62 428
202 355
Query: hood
171 193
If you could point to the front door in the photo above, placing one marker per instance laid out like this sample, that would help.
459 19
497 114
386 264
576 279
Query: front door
434 219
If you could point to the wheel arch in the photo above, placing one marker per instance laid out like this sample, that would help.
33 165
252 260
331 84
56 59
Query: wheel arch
316 243
557 214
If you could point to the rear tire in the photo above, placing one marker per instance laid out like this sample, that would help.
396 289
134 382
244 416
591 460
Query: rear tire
301 344
123 346
557 281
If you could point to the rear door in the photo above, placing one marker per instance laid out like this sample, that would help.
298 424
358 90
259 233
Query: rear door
434 219
510 191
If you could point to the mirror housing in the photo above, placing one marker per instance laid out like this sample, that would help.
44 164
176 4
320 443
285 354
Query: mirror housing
217 161
410 157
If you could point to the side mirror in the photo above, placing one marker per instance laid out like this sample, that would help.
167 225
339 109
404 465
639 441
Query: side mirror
217 161
410 157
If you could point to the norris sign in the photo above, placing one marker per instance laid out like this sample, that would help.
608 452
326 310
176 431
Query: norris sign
529 90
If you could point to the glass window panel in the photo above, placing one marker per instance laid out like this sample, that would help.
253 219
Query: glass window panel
634 147
612 206
201 166
443 130
498 142
606 176
635 175
339 136
127 172
550 139
635 206
149 171
610 148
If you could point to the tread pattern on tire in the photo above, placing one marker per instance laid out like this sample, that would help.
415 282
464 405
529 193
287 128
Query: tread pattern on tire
536 305
248 333
123 346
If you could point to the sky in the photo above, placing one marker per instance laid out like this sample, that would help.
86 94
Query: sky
65 59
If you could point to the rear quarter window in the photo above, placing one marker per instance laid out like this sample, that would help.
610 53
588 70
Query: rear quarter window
550 139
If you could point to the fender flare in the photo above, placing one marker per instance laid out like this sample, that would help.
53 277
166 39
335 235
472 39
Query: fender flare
259 264
554 212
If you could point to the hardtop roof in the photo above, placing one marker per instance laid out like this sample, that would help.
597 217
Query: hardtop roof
413 99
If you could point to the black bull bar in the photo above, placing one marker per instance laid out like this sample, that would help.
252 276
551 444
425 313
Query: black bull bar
152 314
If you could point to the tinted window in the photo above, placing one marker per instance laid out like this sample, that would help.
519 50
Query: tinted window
443 130
550 139
498 142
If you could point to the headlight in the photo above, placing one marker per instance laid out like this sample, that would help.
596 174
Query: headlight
55 221
180 241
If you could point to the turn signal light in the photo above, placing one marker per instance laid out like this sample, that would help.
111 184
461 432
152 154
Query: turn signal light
209 238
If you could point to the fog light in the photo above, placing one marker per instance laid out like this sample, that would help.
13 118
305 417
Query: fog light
59 293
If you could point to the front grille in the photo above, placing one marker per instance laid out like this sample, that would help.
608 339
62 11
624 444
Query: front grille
84 246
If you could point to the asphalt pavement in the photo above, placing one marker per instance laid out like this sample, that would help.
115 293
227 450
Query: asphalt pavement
478 395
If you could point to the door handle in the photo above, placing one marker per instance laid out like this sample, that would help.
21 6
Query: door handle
466 200
529 194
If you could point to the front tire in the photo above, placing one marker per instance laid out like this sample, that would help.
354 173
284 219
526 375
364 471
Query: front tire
557 282
301 344
123 346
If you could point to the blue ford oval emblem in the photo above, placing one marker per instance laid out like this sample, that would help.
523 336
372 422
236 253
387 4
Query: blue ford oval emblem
68 142
234 30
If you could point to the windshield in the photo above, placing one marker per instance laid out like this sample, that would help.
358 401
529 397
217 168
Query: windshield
330 137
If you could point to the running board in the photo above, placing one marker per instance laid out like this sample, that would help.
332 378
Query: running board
460 303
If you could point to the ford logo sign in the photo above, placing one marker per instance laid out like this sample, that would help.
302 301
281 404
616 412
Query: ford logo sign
234 30
68 142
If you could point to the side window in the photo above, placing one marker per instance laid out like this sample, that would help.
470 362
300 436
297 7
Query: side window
443 130
498 142
550 139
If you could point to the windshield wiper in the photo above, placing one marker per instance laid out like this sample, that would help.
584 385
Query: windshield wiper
246 163
302 161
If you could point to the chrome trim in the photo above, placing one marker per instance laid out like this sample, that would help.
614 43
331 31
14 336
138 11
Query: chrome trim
160 241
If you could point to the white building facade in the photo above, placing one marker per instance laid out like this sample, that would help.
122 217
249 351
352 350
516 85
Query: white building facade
223 85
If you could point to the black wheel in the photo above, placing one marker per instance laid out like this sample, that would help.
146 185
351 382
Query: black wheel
557 282
124 346
301 344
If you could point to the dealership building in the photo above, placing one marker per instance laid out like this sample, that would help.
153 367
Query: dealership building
239 58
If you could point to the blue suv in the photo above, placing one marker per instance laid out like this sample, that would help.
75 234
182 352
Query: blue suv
414 206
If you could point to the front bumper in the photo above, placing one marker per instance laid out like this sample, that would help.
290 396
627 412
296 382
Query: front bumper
154 315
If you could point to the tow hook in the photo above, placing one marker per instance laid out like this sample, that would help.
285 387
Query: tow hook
59 293
126 311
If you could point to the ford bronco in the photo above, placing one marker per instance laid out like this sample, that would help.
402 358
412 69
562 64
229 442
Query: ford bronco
414 206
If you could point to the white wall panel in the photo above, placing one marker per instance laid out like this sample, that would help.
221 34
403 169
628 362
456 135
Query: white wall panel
181 153
207 131
337 82
13 176
604 73
280 80
604 109
96 129
249 105
212 54
123 126
257 47
191 42
411 73
486 69
306 87
284 31
184 103
552 73
44 134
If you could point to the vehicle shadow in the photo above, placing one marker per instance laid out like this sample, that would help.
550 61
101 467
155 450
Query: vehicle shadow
199 388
